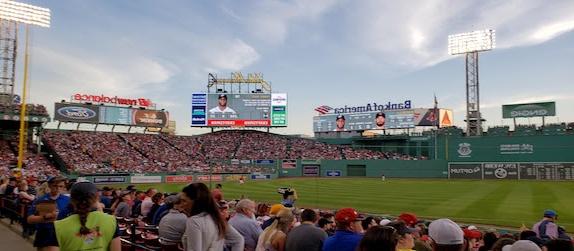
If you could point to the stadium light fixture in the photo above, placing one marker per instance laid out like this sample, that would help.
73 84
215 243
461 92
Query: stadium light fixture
475 41
470 44
24 13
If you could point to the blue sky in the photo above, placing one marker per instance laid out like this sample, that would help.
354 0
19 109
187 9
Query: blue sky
320 52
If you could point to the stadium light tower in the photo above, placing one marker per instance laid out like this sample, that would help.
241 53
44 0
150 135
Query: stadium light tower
470 44
12 14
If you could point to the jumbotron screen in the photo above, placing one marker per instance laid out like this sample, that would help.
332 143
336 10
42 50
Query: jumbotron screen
111 115
238 110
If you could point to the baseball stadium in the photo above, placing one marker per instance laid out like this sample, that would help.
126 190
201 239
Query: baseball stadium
388 161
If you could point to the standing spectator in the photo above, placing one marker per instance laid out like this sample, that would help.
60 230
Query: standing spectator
245 223
348 233
99 228
273 238
406 240
446 235
9 191
124 206
106 197
217 193
272 212
32 186
172 225
205 229
147 203
45 223
546 229
379 238
306 236
23 195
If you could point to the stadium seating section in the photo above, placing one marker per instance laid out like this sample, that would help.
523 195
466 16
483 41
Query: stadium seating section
103 152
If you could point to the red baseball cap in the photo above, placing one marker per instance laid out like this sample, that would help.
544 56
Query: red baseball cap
471 233
409 218
347 215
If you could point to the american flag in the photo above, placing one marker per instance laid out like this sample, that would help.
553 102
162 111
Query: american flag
323 109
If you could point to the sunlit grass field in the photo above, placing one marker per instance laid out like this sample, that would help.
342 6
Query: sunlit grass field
502 203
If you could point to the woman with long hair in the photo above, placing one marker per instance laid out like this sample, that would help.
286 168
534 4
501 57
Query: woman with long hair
273 237
380 238
206 230
86 228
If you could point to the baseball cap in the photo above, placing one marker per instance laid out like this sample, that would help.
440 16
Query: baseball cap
82 189
222 96
446 232
171 199
380 114
472 233
409 218
401 227
347 215
222 204
341 117
384 222
524 245
549 213
57 179
275 209
131 187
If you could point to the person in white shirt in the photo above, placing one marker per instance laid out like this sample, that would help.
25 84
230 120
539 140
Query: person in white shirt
222 105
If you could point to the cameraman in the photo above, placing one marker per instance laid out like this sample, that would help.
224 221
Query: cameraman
289 196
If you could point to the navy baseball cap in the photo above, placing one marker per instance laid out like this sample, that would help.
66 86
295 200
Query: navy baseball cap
379 114
82 189
340 117
222 96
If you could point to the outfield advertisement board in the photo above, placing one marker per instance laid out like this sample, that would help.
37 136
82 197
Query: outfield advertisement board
100 114
396 119
238 109
529 110
311 170
179 179
145 179
511 170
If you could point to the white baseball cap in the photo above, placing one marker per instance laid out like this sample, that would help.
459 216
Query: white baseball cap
446 232
524 245
384 222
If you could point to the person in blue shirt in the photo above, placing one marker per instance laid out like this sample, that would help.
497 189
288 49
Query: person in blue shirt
45 236
349 231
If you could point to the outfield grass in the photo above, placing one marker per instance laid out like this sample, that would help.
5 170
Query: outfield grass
502 203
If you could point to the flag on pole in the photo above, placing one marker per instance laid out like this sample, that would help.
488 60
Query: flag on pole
436 112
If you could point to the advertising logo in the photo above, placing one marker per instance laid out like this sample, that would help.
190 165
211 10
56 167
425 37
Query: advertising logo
150 118
500 173
464 150
75 112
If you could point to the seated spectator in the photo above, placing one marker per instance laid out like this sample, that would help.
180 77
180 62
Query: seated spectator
124 208
523 245
164 209
546 229
306 236
406 241
274 237
446 235
244 223
559 245
172 225
379 238
157 200
501 243
348 233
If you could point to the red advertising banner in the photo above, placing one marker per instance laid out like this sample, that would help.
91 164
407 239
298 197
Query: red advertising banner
179 179
206 178
238 122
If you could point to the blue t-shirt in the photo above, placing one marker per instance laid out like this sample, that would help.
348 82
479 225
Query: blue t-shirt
63 203
106 201
342 241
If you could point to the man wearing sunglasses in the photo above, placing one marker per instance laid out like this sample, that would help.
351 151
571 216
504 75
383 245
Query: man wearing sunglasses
349 231
44 221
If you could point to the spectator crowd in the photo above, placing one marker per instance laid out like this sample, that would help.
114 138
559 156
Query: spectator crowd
102 152
198 218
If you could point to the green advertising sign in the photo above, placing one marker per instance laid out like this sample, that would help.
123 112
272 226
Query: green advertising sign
279 109
529 110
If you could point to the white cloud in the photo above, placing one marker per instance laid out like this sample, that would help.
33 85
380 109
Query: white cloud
230 55
269 21
413 34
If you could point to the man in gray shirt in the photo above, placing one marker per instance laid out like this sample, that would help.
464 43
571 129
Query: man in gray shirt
245 224
172 225
306 236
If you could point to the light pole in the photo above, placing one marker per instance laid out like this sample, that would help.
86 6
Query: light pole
13 13
470 43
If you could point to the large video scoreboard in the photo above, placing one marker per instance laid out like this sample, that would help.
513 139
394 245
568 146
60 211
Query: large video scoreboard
112 115
239 110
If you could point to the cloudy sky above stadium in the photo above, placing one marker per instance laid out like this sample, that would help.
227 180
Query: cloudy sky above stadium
321 52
